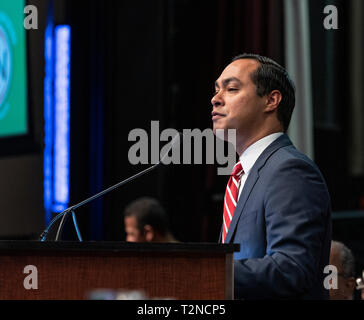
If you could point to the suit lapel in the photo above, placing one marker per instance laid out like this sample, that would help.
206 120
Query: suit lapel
253 177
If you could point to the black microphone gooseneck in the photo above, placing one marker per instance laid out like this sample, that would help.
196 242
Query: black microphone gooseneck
71 209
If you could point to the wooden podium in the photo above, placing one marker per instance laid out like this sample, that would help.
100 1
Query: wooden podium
71 270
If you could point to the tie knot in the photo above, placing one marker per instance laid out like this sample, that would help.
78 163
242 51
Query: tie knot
237 170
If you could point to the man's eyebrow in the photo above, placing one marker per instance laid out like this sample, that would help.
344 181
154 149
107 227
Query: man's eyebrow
226 81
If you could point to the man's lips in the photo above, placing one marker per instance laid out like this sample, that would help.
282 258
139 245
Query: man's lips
215 115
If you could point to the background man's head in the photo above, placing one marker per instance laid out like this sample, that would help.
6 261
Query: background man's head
342 258
145 221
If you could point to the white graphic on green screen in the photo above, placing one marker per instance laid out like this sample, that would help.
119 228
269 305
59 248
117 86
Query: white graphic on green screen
5 68
13 70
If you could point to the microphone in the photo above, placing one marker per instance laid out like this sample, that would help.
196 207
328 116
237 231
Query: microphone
176 139
71 209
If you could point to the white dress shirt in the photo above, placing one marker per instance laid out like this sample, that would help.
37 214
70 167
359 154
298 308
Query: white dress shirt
252 153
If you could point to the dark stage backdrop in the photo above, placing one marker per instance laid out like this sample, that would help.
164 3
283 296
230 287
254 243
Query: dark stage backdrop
134 62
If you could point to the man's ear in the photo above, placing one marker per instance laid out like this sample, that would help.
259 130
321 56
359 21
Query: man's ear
272 101
149 233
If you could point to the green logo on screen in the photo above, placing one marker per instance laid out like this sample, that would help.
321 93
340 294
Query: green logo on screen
5 69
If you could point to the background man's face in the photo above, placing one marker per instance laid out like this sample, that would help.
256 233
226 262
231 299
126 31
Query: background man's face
236 102
133 234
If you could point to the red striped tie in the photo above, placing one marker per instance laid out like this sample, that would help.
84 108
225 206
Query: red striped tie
231 196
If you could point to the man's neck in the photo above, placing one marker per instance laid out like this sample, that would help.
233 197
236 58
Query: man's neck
243 143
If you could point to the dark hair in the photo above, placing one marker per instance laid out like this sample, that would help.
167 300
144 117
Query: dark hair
271 76
149 211
346 258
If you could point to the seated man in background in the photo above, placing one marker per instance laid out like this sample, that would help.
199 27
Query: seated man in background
146 221
342 258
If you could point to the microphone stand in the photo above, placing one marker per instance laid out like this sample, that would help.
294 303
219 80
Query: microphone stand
71 210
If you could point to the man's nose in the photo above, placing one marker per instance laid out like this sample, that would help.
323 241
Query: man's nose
217 100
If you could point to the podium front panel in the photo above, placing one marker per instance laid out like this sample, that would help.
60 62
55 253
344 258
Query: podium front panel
64 270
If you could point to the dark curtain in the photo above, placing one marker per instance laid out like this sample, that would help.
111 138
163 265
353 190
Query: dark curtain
138 61
334 105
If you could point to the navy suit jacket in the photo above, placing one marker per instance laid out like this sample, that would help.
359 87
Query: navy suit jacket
282 222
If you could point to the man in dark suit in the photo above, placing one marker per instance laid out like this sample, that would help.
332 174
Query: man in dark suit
276 206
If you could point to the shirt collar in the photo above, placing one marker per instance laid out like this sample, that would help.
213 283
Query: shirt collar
252 153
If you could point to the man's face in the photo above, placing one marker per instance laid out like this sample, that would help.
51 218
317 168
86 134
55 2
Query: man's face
236 104
133 234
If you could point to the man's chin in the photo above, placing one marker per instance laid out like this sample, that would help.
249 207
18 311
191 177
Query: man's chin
225 134
216 127
220 132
